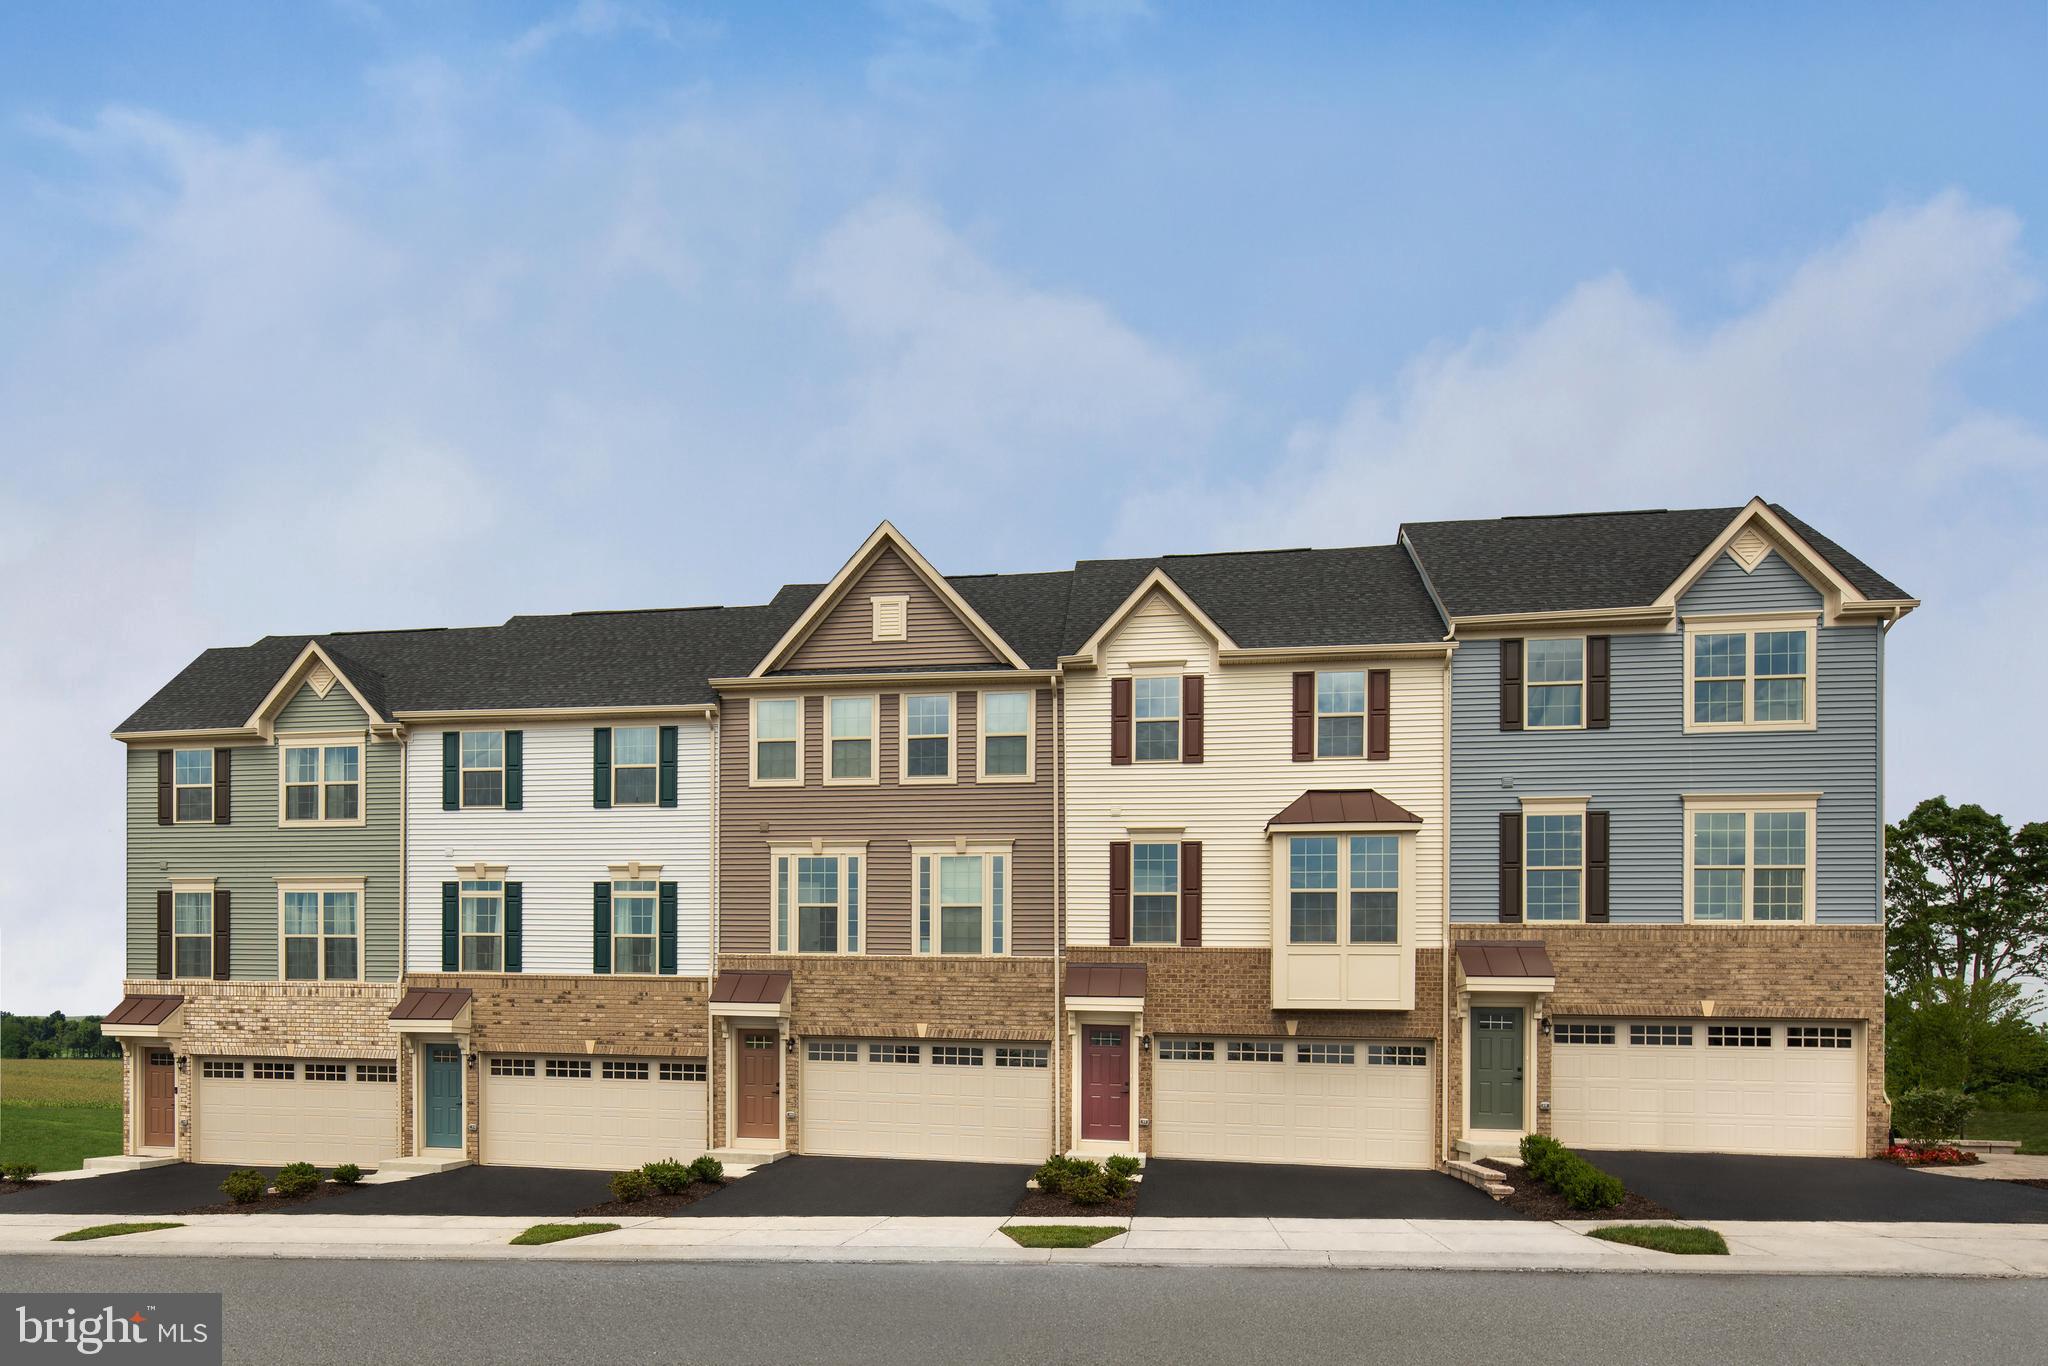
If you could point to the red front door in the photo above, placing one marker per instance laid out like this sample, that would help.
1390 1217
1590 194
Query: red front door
1106 1081
159 1100
760 1085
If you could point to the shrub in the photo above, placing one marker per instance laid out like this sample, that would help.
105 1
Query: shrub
630 1186
296 1179
19 1171
669 1177
1931 1114
347 1174
244 1186
707 1169
1123 1164
1089 1187
1052 1177
1583 1185
1935 1155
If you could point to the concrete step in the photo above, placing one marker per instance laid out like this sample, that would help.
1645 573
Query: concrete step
1988 1145
1509 1153
1485 1178
127 1163
419 1166
747 1157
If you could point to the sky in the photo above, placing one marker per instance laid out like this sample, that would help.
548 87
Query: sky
379 314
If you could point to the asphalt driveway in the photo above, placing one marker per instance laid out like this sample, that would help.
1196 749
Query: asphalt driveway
509 1191
153 1190
1717 1186
1253 1190
868 1186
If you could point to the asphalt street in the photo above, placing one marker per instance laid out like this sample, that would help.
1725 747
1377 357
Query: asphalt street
741 1314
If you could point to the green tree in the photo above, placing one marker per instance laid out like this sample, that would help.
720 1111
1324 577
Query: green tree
1966 897
1972 1038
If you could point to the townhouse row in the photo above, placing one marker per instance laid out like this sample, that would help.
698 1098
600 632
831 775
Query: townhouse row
1368 856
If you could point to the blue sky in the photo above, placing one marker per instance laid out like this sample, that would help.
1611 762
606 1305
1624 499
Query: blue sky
381 314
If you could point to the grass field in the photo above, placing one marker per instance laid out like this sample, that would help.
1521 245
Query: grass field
57 1112
2030 1127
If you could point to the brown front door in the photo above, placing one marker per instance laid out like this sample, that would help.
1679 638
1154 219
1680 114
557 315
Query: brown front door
159 1100
1105 1081
760 1077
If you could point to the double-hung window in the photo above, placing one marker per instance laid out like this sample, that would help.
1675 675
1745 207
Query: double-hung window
1006 735
1375 883
322 933
1359 875
192 772
192 932
634 918
817 900
1155 710
1554 865
483 926
962 900
1312 889
778 729
852 739
483 768
928 737
1340 714
636 765
1755 675
322 782
1556 684
1749 860
1155 893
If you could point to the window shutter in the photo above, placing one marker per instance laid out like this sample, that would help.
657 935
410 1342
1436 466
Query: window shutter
1598 691
515 926
451 930
601 772
668 765
1191 718
1511 867
1191 893
601 922
515 770
1119 720
1511 685
163 928
1304 717
1379 719
223 934
223 786
451 770
667 950
163 787
1120 891
1596 867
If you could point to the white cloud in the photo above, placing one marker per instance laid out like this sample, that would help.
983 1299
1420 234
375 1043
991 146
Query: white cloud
597 19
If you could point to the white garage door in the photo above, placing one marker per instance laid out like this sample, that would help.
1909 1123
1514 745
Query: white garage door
269 1111
964 1102
1735 1086
603 1113
1335 1103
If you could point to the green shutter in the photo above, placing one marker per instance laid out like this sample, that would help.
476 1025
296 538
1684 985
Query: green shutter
668 765
451 938
601 921
451 770
667 950
515 769
514 903
601 767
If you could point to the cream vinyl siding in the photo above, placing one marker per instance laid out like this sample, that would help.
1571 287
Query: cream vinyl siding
559 845
1247 776
609 1124
265 1122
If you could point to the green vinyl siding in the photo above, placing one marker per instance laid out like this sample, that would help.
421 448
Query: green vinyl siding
334 712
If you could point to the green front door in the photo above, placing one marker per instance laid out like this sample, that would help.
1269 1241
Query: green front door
1497 1067
443 1097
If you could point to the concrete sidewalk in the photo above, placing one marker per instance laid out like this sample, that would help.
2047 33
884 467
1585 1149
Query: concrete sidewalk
2016 1250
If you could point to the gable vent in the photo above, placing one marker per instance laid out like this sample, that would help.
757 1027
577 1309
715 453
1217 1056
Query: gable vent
892 617
1749 548
320 679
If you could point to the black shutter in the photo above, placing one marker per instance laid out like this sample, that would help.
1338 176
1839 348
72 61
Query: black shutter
601 769
1191 719
1191 893
1304 717
163 931
451 770
1511 867
1120 891
165 792
515 770
515 925
601 924
1511 685
668 765
451 927
1119 720
223 935
1379 712
1598 689
667 950
1596 867
223 786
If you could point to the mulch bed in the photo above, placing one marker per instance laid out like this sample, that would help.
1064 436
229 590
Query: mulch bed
1534 1200
655 1205
1042 1203
273 1202
10 1187
2036 1182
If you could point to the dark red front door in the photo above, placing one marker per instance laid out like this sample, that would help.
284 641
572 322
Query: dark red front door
760 1085
1105 1081
159 1100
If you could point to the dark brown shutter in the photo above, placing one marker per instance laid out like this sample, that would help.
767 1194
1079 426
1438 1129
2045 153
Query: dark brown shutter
1511 867
1119 720
1511 685
223 786
163 932
1120 891
1596 867
1598 691
1191 719
163 787
1379 700
223 935
1191 893
1304 717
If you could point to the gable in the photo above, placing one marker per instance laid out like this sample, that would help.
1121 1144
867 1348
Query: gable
308 710
1157 631
934 633
1771 586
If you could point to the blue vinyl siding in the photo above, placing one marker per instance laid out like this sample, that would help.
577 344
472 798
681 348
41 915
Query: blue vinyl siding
1773 586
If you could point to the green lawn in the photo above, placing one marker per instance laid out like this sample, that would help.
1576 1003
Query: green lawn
1686 1242
556 1233
86 1235
2030 1127
1060 1235
57 1112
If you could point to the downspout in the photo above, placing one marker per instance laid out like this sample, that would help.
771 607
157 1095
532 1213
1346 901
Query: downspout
1059 898
1443 1083
711 1081
404 868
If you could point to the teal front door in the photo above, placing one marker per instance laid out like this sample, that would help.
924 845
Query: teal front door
1497 1067
444 1096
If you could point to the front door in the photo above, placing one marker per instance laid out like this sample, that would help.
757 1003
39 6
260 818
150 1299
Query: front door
1106 1082
760 1085
1497 1067
159 1100
444 1096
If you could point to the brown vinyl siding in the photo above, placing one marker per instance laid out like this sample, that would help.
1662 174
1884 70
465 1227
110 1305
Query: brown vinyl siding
888 817
844 638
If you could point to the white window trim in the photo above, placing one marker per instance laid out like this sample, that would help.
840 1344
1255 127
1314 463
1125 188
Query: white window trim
1283 887
480 873
1528 673
1748 625
462 769
1749 804
986 851
754 742
1179 877
616 767
309 740
321 885
1180 720
847 903
981 737
654 938
1554 806
191 886
903 738
1363 712
212 785
874 739
880 607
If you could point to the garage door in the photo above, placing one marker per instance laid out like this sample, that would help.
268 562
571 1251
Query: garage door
269 1111
1737 1086
965 1102
603 1113
1355 1104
